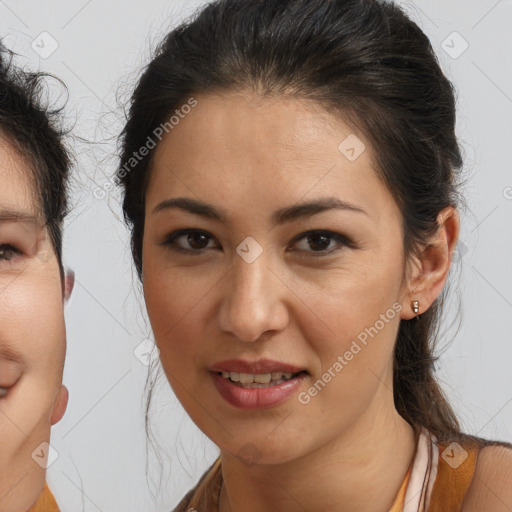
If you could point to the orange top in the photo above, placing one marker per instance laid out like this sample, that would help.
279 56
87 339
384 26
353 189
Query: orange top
46 502
454 475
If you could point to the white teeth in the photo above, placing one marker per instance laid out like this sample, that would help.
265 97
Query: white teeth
247 379
264 378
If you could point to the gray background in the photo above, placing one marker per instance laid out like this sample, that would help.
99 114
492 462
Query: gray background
101 462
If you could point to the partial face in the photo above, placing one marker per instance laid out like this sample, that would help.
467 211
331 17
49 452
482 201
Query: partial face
32 337
308 298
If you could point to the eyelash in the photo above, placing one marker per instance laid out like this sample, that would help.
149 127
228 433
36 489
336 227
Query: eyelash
342 241
9 249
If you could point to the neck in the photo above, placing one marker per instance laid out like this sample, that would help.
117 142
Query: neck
362 469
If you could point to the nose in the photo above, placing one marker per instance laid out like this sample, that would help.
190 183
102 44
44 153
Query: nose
254 301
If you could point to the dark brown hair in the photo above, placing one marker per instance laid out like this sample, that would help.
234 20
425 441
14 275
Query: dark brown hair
35 131
363 60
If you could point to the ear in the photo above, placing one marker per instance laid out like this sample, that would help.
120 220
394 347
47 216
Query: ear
432 266
60 405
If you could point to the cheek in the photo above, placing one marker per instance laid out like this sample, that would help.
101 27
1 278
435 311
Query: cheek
32 320
173 308
351 324
175 298
354 354
346 301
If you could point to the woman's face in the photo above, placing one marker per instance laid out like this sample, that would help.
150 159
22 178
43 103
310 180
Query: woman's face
32 337
236 286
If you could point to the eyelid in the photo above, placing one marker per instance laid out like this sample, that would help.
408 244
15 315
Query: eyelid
11 372
330 234
170 238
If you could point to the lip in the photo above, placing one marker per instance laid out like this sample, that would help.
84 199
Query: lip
256 398
260 366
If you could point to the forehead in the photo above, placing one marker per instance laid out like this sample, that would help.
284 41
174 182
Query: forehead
235 122
17 190
266 150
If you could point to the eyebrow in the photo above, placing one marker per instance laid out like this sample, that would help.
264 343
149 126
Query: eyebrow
16 216
282 216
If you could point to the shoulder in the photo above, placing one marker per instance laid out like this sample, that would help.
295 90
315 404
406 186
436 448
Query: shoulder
491 487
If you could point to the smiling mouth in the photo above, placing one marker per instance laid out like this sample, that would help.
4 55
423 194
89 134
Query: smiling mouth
259 380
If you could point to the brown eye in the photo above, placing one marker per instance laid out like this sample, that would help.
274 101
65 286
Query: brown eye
197 240
318 242
8 252
193 241
322 243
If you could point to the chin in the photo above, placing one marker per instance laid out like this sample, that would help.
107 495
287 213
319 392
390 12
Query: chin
259 449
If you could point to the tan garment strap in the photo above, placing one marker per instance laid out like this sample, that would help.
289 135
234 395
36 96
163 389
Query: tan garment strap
454 475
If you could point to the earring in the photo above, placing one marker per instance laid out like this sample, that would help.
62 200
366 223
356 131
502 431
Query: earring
415 306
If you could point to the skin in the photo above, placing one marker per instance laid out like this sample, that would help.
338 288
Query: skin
491 489
31 323
347 448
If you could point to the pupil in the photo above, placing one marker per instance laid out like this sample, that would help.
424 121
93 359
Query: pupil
6 254
320 246
194 239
